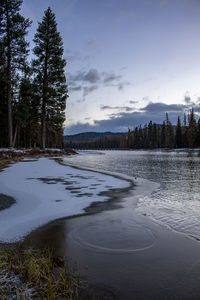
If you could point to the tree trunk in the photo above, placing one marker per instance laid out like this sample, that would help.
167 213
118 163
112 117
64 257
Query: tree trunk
43 138
15 135
43 129
10 125
9 87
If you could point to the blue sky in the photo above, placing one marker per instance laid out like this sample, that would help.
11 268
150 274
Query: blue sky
128 62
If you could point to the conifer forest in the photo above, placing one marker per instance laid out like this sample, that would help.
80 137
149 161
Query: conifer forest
33 91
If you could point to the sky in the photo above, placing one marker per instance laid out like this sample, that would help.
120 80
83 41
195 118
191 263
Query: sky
128 62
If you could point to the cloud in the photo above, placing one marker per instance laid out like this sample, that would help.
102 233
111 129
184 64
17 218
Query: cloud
146 98
108 78
121 85
92 76
121 121
89 81
160 107
187 99
87 90
114 80
75 88
73 56
133 102
81 77
107 107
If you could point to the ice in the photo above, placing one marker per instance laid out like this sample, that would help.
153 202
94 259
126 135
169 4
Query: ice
46 190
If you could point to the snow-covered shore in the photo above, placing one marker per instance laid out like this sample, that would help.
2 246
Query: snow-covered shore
16 154
46 190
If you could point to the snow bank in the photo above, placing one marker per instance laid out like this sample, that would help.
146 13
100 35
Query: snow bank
12 150
46 190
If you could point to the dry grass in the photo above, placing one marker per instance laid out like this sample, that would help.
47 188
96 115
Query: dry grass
35 274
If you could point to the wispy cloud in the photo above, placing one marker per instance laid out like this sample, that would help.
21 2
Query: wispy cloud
87 90
121 108
109 78
92 76
94 80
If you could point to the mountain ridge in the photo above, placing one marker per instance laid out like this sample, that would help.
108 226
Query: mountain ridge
90 135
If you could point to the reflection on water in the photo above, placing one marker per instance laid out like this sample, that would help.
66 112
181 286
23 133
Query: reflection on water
177 202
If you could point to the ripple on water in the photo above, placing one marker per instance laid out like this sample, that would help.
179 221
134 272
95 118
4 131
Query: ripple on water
116 239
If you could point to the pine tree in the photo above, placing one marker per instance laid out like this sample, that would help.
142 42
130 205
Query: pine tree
178 134
27 114
192 130
150 134
136 138
155 136
184 132
163 131
130 139
3 102
50 78
169 133
13 29
198 134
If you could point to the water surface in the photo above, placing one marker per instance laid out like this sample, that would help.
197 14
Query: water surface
130 251
176 202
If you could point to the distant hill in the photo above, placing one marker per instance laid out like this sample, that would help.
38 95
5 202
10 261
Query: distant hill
86 136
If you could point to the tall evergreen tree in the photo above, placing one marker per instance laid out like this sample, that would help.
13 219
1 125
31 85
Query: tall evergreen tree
155 136
178 134
3 102
198 133
169 134
150 134
130 141
50 78
27 114
136 138
184 132
13 29
192 130
163 135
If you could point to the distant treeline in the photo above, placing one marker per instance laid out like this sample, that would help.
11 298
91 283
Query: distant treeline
151 136
32 94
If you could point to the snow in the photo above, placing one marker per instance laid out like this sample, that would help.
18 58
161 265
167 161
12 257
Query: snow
12 150
46 190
